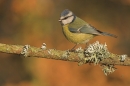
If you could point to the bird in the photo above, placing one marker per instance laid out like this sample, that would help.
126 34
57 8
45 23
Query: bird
77 30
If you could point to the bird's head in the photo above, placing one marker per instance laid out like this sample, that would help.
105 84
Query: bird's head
67 17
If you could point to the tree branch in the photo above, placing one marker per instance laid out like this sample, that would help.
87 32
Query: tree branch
95 53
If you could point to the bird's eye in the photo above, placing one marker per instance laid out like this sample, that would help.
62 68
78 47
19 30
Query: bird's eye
64 18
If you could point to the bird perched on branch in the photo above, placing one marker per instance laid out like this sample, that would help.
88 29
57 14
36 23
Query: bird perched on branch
77 30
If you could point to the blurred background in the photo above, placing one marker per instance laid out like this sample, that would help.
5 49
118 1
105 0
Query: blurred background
35 22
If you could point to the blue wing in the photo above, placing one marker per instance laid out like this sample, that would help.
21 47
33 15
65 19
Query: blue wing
88 29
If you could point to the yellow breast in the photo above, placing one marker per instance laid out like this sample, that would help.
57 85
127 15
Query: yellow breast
76 38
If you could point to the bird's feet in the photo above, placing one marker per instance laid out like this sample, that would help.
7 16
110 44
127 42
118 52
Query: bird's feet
72 50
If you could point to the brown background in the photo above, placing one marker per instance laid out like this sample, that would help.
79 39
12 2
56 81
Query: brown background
35 22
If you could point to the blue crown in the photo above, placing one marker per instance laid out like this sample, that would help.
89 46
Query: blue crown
65 12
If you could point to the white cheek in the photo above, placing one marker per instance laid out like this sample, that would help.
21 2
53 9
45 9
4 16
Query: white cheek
68 20
64 22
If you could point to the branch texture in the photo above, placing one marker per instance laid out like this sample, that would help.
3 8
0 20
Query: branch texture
95 53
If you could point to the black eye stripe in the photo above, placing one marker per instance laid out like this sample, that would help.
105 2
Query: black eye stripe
66 17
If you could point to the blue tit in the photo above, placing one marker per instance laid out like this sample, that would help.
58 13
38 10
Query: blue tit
77 30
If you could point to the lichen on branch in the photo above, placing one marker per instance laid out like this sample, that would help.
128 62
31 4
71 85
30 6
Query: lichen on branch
95 53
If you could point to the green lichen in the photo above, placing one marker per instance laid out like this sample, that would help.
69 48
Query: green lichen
96 52
66 54
25 50
108 69
43 47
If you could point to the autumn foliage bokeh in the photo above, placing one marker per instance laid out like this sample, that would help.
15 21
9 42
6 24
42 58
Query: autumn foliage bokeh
35 22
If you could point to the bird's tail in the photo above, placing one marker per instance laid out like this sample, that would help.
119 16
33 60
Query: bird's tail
108 34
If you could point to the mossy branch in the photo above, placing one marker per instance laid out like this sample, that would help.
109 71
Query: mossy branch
95 53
